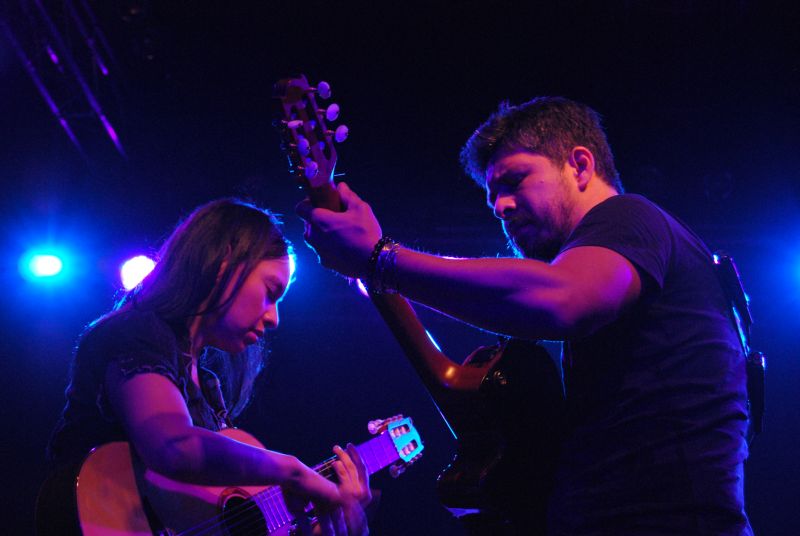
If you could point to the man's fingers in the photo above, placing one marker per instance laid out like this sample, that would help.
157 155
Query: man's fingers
303 209
320 218
348 196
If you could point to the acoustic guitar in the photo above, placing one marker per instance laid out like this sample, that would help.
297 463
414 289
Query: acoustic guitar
116 495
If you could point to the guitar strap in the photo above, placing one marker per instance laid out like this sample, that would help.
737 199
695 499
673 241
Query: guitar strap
739 307
755 362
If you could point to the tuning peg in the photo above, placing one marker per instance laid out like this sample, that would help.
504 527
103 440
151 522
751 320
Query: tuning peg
379 425
310 168
408 449
376 426
303 146
397 469
294 124
324 90
331 113
340 134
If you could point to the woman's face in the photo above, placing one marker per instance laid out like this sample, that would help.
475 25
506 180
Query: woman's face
254 308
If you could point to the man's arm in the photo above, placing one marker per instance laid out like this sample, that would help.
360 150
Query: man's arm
583 289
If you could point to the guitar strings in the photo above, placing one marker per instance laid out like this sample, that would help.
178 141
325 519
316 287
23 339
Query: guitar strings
236 517
266 498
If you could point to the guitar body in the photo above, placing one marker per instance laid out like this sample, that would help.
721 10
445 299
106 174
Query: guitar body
508 431
114 492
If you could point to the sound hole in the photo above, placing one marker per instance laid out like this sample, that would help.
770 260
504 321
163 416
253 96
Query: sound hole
241 517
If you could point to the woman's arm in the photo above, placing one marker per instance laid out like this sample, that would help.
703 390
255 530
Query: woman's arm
160 428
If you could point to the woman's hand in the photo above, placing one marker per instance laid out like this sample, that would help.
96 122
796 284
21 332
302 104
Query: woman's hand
353 488
305 486
339 508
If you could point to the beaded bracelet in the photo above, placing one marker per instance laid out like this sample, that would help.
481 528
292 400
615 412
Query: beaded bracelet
382 273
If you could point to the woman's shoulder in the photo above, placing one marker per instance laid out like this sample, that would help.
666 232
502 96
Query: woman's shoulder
128 327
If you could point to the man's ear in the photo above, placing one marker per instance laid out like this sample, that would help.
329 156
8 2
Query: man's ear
581 160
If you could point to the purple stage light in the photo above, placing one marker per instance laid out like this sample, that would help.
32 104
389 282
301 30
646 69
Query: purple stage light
37 81
134 270
69 61
52 54
111 133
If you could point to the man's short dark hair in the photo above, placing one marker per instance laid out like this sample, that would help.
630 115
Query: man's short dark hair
549 126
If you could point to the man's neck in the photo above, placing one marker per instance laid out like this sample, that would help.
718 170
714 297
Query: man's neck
596 192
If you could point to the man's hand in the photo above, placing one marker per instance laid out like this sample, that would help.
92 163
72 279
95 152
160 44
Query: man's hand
343 240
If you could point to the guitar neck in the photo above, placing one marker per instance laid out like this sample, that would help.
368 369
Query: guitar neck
309 144
443 378
377 453
439 373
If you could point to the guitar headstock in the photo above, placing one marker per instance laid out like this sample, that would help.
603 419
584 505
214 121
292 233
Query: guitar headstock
307 138
405 438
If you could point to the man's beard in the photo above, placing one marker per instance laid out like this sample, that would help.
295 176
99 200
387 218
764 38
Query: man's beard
533 245
540 238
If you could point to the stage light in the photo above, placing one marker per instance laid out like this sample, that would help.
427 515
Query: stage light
362 288
134 270
43 266
436 344
292 266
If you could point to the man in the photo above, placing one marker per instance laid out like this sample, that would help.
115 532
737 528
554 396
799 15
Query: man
653 371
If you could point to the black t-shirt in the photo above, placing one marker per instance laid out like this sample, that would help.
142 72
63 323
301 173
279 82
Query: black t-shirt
656 400
131 342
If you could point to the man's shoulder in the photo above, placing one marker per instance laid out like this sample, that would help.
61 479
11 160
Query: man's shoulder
624 214
629 202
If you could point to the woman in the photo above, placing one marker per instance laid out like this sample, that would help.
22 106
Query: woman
139 375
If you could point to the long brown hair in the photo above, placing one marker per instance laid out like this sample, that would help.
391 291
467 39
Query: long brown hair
187 274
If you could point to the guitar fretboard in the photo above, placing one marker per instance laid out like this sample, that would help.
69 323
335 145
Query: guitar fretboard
377 453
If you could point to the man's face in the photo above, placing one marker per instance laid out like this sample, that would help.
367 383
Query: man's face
534 199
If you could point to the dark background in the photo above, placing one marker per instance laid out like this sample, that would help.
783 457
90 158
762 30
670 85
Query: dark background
701 104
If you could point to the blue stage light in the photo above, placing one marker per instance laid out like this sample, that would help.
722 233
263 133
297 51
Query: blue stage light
134 270
44 266
436 344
